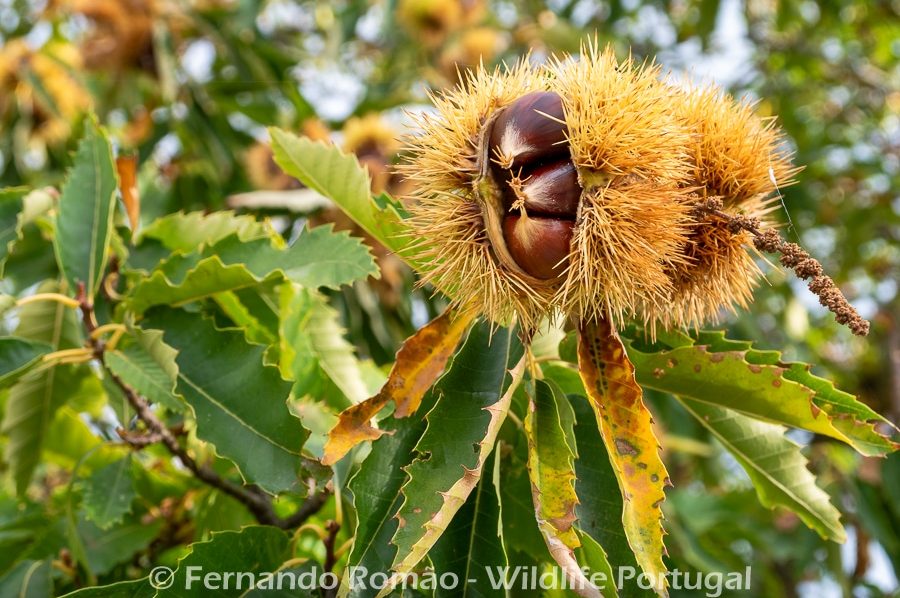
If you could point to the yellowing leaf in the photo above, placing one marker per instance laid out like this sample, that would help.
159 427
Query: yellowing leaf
626 427
422 358
419 362
551 468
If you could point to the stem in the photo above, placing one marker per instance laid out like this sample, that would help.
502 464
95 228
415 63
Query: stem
332 527
63 299
257 502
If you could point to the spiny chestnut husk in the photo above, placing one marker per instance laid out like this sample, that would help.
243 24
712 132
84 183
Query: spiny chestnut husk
574 188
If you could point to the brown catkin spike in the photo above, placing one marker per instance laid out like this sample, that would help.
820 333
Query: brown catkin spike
769 241
796 258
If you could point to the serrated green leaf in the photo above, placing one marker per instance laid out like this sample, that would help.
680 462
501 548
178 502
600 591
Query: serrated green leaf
256 332
339 177
520 530
11 202
207 278
107 548
757 384
591 555
474 397
49 322
377 498
69 438
267 587
254 549
472 547
28 579
239 404
551 468
312 339
17 356
139 588
35 397
186 232
320 257
109 492
147 364
775 465
23 526
86 207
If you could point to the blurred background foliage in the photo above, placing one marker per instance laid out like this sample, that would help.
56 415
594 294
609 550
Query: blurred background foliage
189 86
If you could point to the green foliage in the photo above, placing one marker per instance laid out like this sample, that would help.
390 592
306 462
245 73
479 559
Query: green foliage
10 206
17 356
147 364
549 427
338 177
319 258
176 418
757 383
217 372
474 396
472 546
313 347
376 489
84 225
28 579
253 549
774 464
109 492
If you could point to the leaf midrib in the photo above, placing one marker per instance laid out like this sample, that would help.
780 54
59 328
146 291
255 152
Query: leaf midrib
734 449
235 417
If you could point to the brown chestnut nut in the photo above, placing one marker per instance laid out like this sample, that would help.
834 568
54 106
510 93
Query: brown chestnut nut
539 245
530 130
551 189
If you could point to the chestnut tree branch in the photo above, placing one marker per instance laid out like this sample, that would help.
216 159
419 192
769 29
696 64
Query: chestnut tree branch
256 501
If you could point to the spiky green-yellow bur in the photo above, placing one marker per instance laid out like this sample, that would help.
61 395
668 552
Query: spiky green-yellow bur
573 188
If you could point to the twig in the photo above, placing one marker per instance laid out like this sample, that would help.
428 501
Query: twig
797 259
138 440
332 527
312 505
256 501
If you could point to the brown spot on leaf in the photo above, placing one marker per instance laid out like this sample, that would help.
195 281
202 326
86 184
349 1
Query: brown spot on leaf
642 465
716 357
776 382
658 372
754 368
697 368
654 478
625 448
671 363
